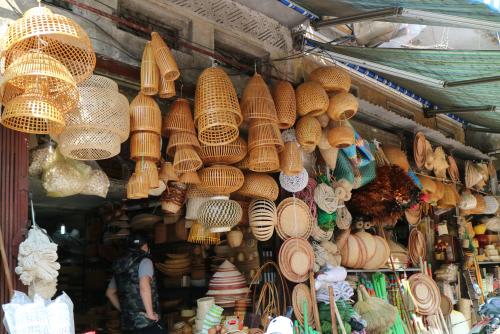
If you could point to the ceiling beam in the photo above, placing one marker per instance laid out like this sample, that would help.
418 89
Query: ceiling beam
371 15
428 112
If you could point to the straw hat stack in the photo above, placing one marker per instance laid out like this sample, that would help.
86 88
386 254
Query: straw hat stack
227 285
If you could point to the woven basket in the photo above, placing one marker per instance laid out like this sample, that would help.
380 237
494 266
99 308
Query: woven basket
217 128
61 37
285 103
264 159
257 102
179 118
200 235
190 178
264 133
145 115
294 183
341 136
260 186
224 154
164 58
291 159
342 106
333 79
167 172
262 217
149 168
219 215
166 89
221 179
215 93
308 131
186 160
311 99
178 139
243 164
138 186
145 145
174 197
150 74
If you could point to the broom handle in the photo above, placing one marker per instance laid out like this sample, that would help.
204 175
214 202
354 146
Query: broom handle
332 309
5 265
315 302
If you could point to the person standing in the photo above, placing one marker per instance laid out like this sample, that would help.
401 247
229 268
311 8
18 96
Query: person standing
132 290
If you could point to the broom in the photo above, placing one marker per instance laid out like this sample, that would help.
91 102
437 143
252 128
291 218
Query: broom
378 314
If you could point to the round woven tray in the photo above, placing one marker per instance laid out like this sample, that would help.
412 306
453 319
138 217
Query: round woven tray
291 159
294 219
178 119
221 179
264 133
224 154
296 259
332 78
257 102
263 159
150 74
145 115
342 106
219 215
311 99
145 145
186 160
262 217
166 89
301 294
285 103
425 292
164 58
416 246
308 131
259 186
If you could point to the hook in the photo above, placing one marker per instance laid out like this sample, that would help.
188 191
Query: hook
255 66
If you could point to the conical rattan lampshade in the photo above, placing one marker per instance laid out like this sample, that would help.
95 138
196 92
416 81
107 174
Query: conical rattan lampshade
257 102
145 145
149 168
286 106
178 139
145 114
53 34
179 118
221 179
224 154
167 172
150 74
138 186
164 58
167 88
263 132
186 160
264 159
201 235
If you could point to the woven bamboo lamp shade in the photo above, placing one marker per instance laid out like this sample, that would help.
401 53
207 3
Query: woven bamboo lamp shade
178 139
224 154
186 160
215 93
243 164
149 168
260 186
221 179
179 118
333 79
201 235
263 132
138 186
164 58
190 178
262 218
285 103
100 123
217 128
166 89
263 159
308 131
167 172
220 215
55 35
342 106
257 102
145 145
150 74
291 159
311 99
145 114
341 136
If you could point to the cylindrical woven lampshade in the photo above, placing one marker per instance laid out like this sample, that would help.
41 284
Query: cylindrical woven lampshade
311 99
150 74
264 159
215 93
198 234
224 154
333 79
291 159
219 215
264 133
164 58
285 103
186 160
257 102
259 185
145 114
308 131
149 168
181 139
145 145
341 136
190 178
221 179
56 35
342 106
35 68
179 118
217 128
138 186
166 89
100 123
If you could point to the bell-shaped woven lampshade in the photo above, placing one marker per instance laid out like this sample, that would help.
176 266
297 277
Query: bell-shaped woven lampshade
145 114
221 179
181 139
186 160
341 136
179 118
311 99
286 105
149 168
145 145
333 79
36 68
217 128
167 172
198 234
53 34
264 159
291 159
190 178
257 102
224 154
166 89
342 106
259 185
308 131
215 93
138 186
164 58
150 74
220 215
100 123
263 132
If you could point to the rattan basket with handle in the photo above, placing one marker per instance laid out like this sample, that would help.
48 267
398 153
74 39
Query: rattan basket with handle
224 154
308 131
259 186
311 99
291 159
145 145
166 89
150 74
186 160
149 168
178 139
56 35
285 103
332 78
342 106
257 102
262 217
264 159
217 128
264 133
219 215
145 114
221 179
164 58
179 118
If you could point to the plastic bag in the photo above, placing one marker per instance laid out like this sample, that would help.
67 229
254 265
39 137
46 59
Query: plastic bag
41 159
97 184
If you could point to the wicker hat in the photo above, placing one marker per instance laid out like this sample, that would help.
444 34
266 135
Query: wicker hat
467 201
396 157
450 197
429 156
311 99
419 149
341 136
332 78
342 106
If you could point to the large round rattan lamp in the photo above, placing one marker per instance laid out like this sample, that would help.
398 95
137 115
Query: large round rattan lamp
52 34
96 129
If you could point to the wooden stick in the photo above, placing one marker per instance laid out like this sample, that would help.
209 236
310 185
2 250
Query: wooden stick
332 310
341 323
315 302
5 264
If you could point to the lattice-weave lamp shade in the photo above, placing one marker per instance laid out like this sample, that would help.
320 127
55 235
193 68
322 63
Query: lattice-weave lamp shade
150 75
167 88
179 118
164 58
96 129
145 114
257 102
54 35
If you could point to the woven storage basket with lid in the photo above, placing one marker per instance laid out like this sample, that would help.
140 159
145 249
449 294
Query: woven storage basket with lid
221 179
311 99
219 215
342 106
166 88
178 119
179 139
96 129
164 58
257 102
186 160
308 131
150 74
145 114
145 145
262 217
291 159
261 186
61 37
341 136
285 103
264 133
264 159
224 154
333 79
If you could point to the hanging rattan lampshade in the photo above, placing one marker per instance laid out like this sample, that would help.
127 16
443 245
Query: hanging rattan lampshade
342 106
263 132
286 105
181 139
257 102
308 131
53 34
167 172
201 235
341 136
311 99
166 89
220 215
224 154
332 78
151 170
145 145
179 118
164 58
291 159
150 74
186 160
145 114
138 186
100 123
264 159
221 179
217 128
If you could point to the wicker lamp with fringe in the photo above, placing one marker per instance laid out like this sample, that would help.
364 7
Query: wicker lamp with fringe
263 132
178 119
145 115
311 99
285 103
342 106
186 160
166 89
308 131
221 179
224 154
145 145
55 35
164 58
96 129
200 235
263 159
332 78
257 102
150 74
